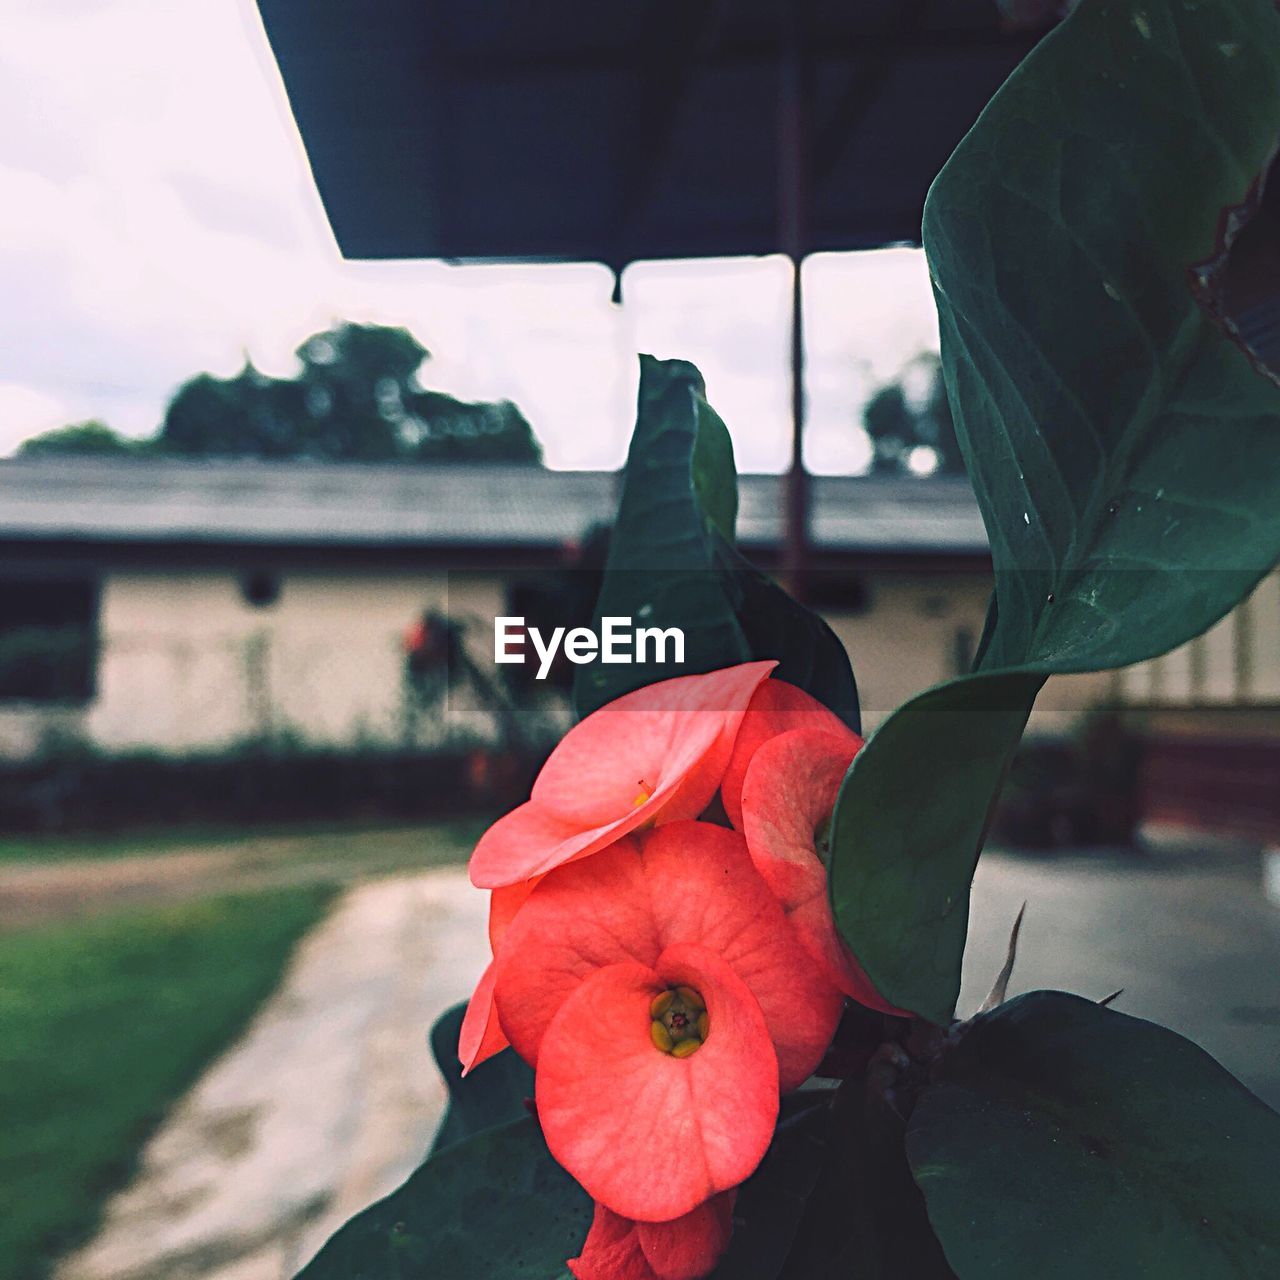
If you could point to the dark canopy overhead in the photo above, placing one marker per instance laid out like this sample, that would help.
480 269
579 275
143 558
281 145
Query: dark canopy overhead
585 129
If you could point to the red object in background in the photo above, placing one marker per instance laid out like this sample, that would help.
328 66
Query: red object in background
1213 783
480 770
415 637
426 643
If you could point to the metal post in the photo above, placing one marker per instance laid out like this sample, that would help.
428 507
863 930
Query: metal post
795 93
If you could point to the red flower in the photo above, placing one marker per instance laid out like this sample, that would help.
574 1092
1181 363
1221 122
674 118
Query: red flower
664 1001
788 796
655 755
481 1035
687 1248
776 707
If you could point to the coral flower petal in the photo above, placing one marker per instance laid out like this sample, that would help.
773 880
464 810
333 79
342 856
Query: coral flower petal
526 842
789 792
686 882
580 919
481 1035
503 905
649 1134
611 1250
776 707
687 1248
705 890
655 755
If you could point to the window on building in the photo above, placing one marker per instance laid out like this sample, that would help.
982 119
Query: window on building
260 588
48 640
841 592
963 649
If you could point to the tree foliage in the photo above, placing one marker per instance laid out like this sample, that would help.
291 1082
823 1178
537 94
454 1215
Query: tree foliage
91 438
911 429
355 398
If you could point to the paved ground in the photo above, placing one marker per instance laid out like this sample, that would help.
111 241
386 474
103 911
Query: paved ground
1190 937
332 1097
326 1104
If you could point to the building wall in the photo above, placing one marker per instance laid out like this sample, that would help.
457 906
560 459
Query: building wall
1236 663
188 663
920 630
914 632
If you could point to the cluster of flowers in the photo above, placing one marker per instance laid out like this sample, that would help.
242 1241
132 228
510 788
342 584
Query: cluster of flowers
668 965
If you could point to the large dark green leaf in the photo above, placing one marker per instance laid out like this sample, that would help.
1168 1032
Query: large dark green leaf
865 1218
672 562
1124 450
496 1206
492 1094
1063 1140
772 1202
715 476
808 652
908 826
661 569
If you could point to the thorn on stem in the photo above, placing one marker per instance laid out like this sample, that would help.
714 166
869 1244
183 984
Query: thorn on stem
995 997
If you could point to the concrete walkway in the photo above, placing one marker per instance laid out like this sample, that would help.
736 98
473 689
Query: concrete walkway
331 1097
325 1105
1189 935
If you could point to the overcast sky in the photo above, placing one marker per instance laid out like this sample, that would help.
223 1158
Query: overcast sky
157 218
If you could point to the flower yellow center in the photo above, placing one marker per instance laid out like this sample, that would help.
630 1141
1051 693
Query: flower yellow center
643 795
679 1021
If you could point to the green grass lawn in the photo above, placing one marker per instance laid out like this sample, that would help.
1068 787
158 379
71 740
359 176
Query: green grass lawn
431 842
104 1024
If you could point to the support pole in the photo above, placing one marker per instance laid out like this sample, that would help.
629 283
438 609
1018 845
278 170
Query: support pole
795 96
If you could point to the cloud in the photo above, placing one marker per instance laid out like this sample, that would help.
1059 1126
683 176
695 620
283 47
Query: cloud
157 218
24 412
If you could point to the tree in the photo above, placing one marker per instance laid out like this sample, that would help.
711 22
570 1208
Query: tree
358 382
248 416
355 398
913 434
92 438
457 431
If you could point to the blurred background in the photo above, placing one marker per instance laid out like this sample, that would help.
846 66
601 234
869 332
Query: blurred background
263 502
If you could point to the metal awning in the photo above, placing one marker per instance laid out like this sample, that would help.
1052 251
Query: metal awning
589 130
594 130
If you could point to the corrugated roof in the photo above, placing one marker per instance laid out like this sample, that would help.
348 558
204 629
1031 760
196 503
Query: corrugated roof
300 504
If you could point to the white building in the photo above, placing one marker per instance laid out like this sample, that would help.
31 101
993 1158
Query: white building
203 603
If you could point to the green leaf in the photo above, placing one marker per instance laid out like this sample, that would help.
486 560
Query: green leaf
493 1094
661 571
772 1202
715 477
809 653
496 1206
908 827
865 1219
1124 450
672 563
1062 1140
